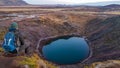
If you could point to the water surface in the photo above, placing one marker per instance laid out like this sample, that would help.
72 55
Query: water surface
67 50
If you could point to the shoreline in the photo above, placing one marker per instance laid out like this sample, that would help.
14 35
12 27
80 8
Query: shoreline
43 41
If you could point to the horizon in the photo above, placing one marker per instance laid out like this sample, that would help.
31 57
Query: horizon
67 2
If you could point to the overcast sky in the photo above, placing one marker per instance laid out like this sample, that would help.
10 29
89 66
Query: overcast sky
64 1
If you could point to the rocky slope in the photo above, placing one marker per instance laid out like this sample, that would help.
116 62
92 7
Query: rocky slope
105 38
12 2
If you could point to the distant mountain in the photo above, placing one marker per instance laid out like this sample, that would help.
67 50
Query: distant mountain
12 2
102 3
113 6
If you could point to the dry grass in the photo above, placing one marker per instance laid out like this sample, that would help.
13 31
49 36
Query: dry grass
35 62
2 33
113 12
27 9
105 64
1 51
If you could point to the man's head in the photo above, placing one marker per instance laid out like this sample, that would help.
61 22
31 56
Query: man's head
13 26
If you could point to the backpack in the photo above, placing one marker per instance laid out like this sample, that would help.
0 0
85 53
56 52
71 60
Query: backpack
9 42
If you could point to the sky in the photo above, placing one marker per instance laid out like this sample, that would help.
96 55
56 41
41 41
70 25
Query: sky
64 1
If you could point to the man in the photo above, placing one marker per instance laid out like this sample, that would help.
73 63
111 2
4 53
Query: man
13 40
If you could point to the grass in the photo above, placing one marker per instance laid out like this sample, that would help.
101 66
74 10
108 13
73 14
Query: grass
113 12
104 64
50 65
28 9
33 62
2 33
1 51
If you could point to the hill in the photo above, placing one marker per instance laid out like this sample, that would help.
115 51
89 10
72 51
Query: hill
12 2
113 6
102 3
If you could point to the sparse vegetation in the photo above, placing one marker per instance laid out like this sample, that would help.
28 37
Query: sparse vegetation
32 61
1 50
35 62
104 64
2 33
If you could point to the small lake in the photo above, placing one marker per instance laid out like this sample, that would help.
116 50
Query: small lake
67 50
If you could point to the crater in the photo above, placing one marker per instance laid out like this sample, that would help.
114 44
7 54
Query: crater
65 49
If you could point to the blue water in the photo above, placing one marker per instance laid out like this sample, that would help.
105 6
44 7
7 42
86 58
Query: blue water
66 51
